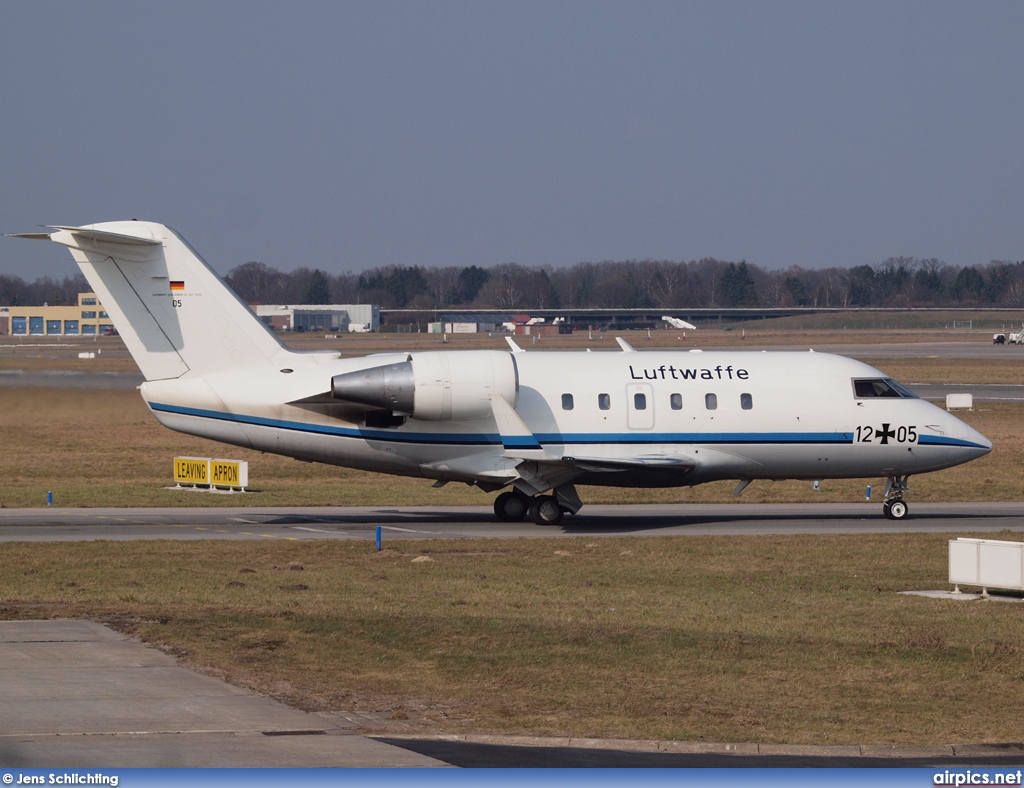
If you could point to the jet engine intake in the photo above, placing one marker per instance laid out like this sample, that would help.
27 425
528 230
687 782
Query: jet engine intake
434 385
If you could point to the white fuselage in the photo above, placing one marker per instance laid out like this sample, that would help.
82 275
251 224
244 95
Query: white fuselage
730 415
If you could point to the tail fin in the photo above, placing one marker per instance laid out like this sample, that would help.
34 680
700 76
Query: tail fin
174 313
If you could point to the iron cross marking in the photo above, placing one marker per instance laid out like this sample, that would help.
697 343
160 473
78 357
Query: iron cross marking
885 433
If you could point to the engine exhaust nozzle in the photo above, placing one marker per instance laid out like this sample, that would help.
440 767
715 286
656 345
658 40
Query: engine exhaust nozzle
391 387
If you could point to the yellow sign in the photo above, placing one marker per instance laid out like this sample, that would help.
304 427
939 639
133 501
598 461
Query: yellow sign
205 472
191 470
224 473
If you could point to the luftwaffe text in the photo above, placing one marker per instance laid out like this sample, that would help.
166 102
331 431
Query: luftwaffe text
669 372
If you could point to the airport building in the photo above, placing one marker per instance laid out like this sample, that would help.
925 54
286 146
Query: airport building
315 318
87 319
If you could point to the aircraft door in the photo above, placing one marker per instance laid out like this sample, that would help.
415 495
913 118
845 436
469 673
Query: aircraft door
639 406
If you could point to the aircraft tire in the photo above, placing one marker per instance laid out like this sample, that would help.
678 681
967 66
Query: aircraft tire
897 509
544 510
511 507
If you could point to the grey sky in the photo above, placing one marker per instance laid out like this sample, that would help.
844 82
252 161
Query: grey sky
347 135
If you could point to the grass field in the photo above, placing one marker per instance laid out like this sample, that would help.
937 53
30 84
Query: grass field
774 639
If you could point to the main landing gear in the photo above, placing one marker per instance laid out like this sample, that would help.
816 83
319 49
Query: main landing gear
512 506
544 510
894 507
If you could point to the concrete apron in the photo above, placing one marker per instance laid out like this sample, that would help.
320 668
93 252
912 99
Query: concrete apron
77 694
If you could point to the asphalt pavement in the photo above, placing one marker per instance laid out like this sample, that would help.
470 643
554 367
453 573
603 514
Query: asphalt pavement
57 524
76 694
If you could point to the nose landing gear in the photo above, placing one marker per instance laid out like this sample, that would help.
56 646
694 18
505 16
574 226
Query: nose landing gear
894 507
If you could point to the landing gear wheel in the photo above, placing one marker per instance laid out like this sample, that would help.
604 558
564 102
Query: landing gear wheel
896 509
544 510
511 507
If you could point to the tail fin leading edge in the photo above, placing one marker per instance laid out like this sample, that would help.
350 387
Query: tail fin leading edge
174 313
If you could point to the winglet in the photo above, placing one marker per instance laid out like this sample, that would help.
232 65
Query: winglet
626 347
512 344
515 435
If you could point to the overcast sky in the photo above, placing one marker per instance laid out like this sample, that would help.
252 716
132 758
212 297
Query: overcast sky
346 135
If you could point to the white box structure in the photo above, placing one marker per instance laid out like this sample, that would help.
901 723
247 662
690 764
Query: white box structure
987 563
960 401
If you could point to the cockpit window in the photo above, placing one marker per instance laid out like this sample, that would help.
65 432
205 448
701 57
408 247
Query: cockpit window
881 387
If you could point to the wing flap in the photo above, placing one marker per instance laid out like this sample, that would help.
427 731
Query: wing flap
619 464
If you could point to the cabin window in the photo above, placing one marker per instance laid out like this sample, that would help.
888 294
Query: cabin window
604 401
567 402
676 401
881 387
640 401
711 401
746 401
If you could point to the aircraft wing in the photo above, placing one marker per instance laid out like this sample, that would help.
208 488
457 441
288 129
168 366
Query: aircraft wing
620 464
544 471
547 472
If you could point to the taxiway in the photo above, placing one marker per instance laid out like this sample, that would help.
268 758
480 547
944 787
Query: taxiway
474 522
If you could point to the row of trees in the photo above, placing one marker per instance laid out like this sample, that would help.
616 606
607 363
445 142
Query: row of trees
15 291
896 282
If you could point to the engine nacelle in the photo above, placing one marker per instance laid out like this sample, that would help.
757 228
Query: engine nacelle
445 385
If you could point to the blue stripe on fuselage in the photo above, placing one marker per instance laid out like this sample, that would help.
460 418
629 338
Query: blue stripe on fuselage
942 440
576 438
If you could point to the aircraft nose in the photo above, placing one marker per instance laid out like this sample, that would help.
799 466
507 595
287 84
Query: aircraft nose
968 441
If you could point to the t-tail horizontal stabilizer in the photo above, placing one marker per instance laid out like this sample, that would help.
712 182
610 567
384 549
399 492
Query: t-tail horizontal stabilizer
175 314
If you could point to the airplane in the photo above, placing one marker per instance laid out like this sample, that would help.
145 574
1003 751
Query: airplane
531 425
676 322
